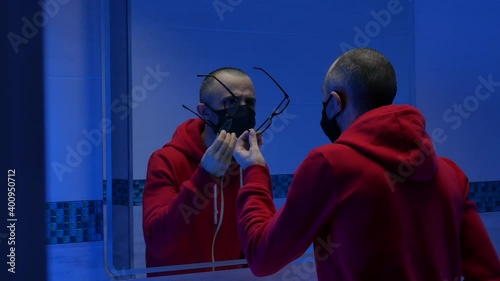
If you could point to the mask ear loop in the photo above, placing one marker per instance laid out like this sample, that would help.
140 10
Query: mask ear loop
228 120
210 124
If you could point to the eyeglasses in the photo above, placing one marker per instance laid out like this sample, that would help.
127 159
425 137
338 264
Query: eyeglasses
268 122
278 110
230 110
230 120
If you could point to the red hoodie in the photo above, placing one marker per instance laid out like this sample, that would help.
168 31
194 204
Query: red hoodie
378 204
180 218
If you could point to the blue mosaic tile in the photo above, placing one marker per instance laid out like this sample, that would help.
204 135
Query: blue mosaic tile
486 195
120 192
69 222
281 183
138 191
82 221
484 191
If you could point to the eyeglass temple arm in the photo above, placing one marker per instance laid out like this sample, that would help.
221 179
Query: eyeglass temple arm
275 82
192 111
261 125
225 87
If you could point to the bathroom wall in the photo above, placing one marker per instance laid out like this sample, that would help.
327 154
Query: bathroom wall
294 41
457 82
73 118
445 67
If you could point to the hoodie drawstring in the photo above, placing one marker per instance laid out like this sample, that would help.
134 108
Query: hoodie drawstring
217 221
241 177
216 212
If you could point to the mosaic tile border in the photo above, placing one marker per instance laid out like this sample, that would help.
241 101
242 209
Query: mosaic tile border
75 221
486 195
82 221
120 191
121 197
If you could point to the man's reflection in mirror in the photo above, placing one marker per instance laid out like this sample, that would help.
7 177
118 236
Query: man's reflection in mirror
192 181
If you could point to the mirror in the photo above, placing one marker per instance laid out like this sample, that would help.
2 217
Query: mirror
154 50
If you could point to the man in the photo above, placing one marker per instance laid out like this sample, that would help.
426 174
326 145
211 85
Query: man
377 204
190 192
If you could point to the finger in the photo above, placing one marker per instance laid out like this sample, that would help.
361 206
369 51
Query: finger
253 139
230 149
217 143
222 149
242 141
244 136
259 138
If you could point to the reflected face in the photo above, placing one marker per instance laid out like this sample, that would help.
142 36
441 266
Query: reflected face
229 103
241 86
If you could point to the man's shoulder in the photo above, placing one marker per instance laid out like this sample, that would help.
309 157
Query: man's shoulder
452 164
330 148
168 152
335 155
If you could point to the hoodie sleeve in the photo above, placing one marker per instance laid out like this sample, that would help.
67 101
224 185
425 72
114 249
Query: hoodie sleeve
270 240
479 258
168 202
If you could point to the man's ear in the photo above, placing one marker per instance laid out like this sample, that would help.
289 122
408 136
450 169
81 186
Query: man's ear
336 101
205 112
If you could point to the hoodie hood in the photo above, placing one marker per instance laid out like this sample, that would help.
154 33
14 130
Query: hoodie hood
395 137
187 139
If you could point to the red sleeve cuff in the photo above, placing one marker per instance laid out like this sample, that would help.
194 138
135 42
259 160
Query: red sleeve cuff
257 175
202 178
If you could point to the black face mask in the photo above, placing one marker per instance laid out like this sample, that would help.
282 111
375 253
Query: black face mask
242 120
330 126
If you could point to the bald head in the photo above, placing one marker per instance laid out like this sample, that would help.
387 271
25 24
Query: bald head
363 77
209 84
